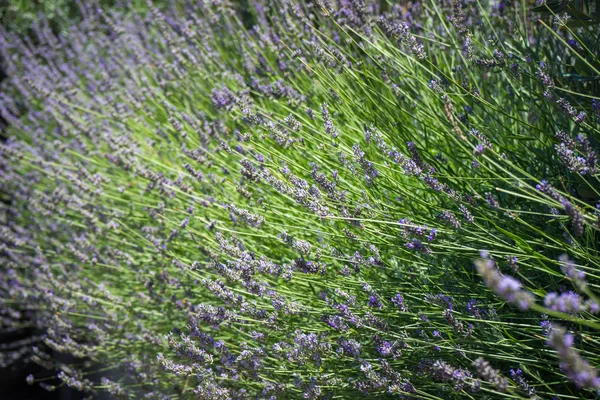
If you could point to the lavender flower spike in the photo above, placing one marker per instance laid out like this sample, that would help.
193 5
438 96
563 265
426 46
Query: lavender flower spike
572 364
491 375
507 287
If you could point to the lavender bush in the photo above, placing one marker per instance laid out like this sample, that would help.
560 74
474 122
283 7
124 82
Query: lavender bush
328 199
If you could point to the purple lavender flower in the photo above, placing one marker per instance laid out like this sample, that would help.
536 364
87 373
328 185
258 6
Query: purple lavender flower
506 287
222 98
568 302
572 364
440 300
400 31
573 211
368 167
432 235
374 302
546 326
489 374
336 322
350 348
416 244
385 348
518 377
474 310
491 200
447 215
398 301
442 371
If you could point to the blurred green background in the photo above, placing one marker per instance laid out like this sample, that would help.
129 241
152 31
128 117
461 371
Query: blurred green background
19 15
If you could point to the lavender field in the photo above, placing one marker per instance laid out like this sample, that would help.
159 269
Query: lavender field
302 199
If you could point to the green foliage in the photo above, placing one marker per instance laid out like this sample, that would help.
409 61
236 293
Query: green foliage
19 16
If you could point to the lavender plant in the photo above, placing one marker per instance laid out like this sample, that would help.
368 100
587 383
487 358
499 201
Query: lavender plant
314 200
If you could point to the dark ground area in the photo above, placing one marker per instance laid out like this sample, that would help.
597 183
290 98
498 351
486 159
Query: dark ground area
12 378
13 383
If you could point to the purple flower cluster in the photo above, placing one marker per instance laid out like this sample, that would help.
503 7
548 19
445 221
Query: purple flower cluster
508 288
518 376
574 213
574 366
442 371
577 155
489 374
